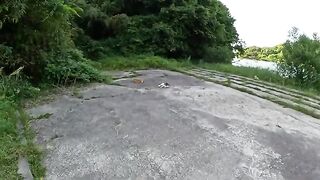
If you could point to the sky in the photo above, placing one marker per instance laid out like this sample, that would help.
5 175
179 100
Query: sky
266 23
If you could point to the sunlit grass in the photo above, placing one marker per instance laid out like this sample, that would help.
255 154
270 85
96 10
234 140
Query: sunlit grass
264 75
141 62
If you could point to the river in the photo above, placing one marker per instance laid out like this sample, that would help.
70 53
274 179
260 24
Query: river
255 63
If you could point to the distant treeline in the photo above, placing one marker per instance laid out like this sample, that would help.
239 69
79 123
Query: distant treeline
264 53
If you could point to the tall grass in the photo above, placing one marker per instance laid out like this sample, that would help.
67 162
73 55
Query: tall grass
263 75
9 141
141 62
250 72
13 89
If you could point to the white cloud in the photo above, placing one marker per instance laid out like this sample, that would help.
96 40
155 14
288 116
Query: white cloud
267 22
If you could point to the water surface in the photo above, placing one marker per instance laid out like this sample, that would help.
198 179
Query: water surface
255 63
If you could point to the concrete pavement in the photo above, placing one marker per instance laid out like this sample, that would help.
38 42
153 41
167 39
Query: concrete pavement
192 130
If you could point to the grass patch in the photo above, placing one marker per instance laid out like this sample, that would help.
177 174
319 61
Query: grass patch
10 146
250 72
262 75
14 89
30 149
136 62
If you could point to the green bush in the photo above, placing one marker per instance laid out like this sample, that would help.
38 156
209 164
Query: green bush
218 55
91 48
6 126
69 67
5 54
15 87
31 28
39 37
302 59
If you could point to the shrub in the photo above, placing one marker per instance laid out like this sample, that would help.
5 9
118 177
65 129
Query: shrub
15 87
69 66
31 28
91 48
302 58
5 54
218 55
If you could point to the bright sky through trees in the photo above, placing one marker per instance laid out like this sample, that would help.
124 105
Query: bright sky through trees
267 22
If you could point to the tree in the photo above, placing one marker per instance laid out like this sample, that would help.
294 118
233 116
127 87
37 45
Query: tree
173 28
34 32
302 58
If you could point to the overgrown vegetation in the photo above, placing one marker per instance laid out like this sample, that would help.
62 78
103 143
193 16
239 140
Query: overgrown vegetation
175 29
43 36
9 141
134 62
37 35
273 54
14 88
302 59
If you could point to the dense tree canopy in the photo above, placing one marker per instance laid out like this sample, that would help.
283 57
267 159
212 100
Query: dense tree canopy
31 28
43 36
38 35
173 28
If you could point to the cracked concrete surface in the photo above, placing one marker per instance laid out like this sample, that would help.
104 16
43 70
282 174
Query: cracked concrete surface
192 130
